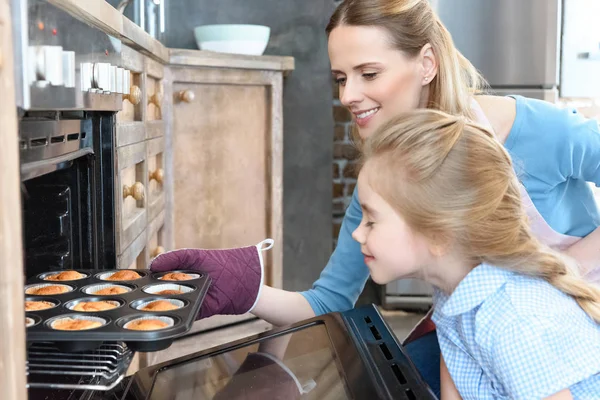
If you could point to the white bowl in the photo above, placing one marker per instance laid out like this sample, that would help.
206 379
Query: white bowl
233 38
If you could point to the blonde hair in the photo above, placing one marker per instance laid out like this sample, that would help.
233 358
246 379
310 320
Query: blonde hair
412 24
453 182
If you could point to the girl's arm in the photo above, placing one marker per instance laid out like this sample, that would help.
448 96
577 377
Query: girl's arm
448 390
586 252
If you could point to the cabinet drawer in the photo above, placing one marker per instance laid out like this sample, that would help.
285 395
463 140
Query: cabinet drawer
134 257
155 159
133 105
131 194
154 90
155 244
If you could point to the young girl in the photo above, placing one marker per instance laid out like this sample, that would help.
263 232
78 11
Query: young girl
441 203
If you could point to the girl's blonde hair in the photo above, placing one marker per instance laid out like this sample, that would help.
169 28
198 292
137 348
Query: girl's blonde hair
411 24
454 183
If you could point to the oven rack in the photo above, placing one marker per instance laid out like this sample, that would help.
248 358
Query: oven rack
99 369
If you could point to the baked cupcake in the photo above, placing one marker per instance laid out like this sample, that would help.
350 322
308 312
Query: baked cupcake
160 305
91 306
38 305
146 325
111 290
176 276
125 275
72 324
48 290
169 292
65 276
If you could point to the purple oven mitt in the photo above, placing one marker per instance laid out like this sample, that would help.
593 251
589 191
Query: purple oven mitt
237 275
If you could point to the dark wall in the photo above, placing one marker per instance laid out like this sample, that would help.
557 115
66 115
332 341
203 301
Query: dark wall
298 30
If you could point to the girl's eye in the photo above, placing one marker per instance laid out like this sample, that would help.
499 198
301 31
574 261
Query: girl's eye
370 76
369 224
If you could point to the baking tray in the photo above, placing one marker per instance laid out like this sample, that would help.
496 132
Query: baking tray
113 330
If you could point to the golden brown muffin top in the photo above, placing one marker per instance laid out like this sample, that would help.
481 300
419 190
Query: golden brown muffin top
147 325
69 324
38 305
160 305
125 275
91 306
169 291
111 290
176 276
65 276
46 290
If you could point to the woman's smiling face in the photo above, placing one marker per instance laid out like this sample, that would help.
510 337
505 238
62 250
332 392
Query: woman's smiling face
376 81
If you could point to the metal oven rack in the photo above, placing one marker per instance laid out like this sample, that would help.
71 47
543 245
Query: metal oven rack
100 369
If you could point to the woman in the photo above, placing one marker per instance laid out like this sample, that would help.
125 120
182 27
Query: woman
392 56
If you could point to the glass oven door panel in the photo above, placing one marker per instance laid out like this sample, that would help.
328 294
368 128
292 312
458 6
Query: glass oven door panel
302 361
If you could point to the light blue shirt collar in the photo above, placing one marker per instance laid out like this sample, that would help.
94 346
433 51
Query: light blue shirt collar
483 281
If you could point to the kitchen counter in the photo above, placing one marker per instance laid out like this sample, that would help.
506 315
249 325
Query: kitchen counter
102 15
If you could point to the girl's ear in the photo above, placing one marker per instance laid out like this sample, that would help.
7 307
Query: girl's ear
440 244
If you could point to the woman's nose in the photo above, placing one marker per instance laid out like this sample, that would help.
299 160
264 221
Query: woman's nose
350 94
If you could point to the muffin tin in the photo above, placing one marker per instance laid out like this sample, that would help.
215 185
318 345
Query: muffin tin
141 292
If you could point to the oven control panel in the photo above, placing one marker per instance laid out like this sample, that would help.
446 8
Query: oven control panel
63 63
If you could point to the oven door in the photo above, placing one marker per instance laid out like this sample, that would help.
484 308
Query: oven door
352 355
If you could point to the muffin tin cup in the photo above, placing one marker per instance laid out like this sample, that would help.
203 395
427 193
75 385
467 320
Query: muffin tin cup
155 289
42 298
73 303
150 345
183 318
30 288
32 321
139 305
93 289
45 276
105 275
55 321
193 275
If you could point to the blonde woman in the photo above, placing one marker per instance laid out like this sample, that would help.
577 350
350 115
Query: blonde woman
441 202
388 57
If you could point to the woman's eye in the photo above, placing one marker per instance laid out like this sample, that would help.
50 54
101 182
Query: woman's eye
370 76
340 81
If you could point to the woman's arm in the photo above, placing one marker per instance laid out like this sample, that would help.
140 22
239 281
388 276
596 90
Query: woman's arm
448 390
337 289
586 252
280 307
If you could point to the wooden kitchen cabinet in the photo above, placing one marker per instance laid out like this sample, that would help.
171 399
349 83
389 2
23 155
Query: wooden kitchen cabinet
224 157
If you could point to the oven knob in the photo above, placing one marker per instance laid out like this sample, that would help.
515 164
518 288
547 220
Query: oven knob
86 74
47 64
112 79
68 58
126 81
101 76
119 80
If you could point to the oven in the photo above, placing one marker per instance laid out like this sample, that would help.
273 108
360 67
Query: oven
349 355
69 87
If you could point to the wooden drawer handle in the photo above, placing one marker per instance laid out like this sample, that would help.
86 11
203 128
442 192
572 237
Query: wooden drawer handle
134 96
156 99
136 191
159 250
157 175
187 96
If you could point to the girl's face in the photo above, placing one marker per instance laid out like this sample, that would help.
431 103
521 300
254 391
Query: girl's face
377 82
392 250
